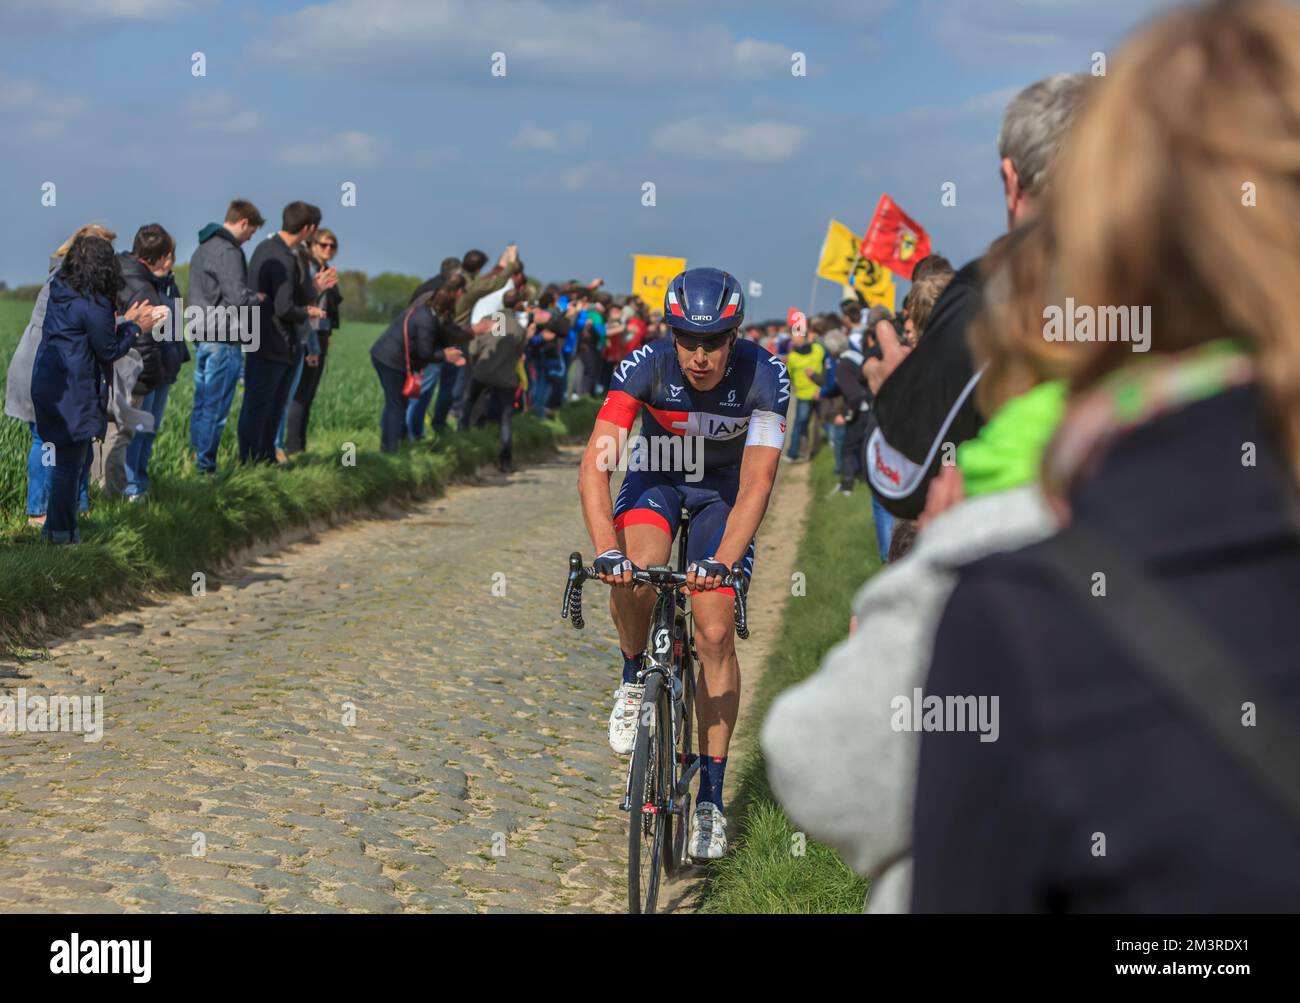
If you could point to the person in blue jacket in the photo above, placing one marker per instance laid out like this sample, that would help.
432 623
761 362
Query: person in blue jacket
80 341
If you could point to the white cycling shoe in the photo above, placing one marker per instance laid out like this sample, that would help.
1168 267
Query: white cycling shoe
708 832
623 718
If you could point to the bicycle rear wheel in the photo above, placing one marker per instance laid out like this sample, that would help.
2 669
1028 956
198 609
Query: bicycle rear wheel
649 777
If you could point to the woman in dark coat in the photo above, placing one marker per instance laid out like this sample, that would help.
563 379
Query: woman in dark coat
80 341
422 334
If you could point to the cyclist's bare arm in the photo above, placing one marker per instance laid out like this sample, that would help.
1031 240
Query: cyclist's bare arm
593 489
757 475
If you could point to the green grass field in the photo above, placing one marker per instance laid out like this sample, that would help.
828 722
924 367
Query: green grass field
764 871
190 522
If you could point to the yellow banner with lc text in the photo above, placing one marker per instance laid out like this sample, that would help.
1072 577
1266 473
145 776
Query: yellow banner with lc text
651 274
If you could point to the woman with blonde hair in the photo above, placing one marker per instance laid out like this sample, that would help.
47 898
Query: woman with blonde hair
324 246
1140 666
18 385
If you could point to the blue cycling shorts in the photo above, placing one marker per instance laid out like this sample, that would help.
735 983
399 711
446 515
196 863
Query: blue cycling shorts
655 498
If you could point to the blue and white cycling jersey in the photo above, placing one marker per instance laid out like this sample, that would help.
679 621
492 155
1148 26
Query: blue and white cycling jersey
746 408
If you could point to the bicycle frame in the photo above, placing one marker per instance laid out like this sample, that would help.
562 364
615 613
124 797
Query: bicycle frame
669 636
669 646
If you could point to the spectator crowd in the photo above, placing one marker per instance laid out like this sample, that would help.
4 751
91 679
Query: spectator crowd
1073 687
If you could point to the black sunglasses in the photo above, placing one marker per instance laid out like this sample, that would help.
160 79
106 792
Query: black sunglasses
710 342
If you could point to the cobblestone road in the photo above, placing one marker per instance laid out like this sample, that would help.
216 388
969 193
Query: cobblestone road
231 777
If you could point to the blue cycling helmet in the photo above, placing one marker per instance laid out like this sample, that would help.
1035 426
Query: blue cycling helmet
704 301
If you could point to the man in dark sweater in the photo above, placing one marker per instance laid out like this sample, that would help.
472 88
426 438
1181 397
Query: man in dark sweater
925 397
269 370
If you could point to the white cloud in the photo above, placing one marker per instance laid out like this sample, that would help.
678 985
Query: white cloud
531 137
1062 31
75 14
753 58
46 115
216 111
755 142
990 101
347 149
544 41
575 179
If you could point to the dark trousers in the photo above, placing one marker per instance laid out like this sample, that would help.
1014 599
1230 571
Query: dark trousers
295 433
502 399
392 422
266 392
70 462
591 363
853 463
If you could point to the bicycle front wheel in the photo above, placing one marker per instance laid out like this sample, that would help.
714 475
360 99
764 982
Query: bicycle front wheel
646 821
678 824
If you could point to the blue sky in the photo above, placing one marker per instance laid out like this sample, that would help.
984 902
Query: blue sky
749 162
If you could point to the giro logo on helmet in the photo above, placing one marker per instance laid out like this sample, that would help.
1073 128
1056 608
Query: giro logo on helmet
701 316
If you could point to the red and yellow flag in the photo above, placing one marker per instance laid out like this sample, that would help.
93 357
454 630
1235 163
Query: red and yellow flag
894 239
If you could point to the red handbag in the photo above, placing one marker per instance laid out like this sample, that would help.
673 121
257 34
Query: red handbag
411 388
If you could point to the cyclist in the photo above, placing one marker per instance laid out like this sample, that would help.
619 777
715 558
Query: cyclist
729 396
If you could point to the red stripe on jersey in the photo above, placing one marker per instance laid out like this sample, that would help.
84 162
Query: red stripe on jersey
641 517
620 408
672 421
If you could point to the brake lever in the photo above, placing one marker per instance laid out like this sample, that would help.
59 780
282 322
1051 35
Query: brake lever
572 606
739 613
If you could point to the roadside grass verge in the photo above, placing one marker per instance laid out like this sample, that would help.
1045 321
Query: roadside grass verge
191 523
763 872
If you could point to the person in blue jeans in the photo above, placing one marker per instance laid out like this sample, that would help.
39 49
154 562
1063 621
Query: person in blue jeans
798 427
884 527
38 479
430 378
452 386
219 281
141 447
217 368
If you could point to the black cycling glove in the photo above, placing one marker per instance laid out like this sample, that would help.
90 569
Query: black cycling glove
709 568
612 562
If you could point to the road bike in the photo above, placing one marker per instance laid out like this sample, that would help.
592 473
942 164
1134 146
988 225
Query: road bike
657 795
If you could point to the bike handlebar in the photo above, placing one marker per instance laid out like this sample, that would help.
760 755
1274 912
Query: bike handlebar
659 578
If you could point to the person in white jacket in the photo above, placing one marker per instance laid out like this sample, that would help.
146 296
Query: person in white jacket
841 751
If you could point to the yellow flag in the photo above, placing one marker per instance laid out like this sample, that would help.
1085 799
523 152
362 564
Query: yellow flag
875 282
841 263
651 275
839 251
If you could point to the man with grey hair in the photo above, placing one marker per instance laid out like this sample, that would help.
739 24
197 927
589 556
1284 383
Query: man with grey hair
924 396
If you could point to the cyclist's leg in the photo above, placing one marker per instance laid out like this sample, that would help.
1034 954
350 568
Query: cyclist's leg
646 513
717 695
645 517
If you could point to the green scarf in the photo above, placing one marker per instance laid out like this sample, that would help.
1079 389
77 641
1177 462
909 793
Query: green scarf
1008 451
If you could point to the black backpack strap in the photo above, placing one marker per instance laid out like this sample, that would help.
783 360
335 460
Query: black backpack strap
1179 654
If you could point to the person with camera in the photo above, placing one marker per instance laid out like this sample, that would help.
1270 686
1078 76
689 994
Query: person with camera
494 370
424 334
